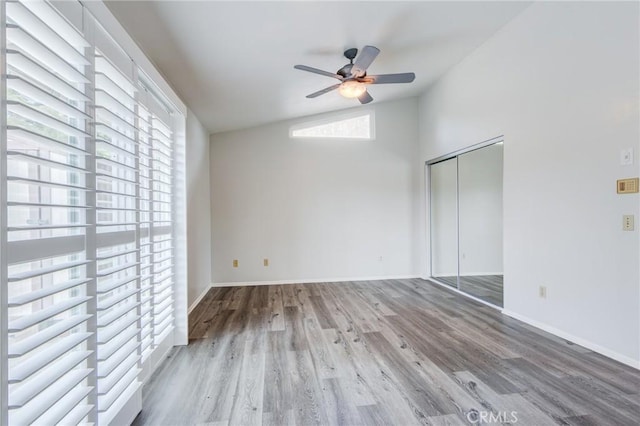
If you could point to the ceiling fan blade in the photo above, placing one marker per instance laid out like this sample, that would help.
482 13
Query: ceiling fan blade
365 98
406 77
364 59
317 71
323 91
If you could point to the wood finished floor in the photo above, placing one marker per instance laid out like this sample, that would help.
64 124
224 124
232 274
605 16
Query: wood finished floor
399 352
485 287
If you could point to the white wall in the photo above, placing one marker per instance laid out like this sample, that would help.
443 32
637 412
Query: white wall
198 208
561 83
317 209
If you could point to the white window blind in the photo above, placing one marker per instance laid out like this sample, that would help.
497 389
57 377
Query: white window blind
88 176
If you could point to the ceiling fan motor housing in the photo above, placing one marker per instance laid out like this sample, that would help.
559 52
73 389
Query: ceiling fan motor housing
345 71
350 54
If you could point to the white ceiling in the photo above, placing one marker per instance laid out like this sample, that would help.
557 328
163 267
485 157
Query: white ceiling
232 62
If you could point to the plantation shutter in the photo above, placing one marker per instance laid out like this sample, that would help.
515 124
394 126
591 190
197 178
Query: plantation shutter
88 208
162 223
117 230
47 173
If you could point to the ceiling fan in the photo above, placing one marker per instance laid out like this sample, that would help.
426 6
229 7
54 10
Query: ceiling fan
353 76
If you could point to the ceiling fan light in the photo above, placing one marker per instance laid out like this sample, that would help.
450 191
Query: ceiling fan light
352 89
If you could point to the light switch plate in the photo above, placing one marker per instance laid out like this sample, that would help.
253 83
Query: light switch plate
628 222
626 157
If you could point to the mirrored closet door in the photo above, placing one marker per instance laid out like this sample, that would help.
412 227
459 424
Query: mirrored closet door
465 199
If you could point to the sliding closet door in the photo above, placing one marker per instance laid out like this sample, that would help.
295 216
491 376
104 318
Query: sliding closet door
465 206
480 222
444 222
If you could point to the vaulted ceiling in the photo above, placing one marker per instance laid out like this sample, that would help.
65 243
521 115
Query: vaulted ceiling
232 62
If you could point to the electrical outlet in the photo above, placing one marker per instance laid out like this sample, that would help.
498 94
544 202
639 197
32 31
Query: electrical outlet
543 292
265 262
235 263
628 222
380 259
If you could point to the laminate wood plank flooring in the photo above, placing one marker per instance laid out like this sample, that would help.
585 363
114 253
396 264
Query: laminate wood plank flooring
392 352
485 287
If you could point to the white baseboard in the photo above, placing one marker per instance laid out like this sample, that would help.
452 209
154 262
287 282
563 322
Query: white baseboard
199 299
312 280
577 340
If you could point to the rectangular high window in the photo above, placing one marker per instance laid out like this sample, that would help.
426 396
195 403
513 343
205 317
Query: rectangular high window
359 126
87 208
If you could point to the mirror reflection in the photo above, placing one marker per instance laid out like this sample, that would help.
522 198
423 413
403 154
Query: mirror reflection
466 222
